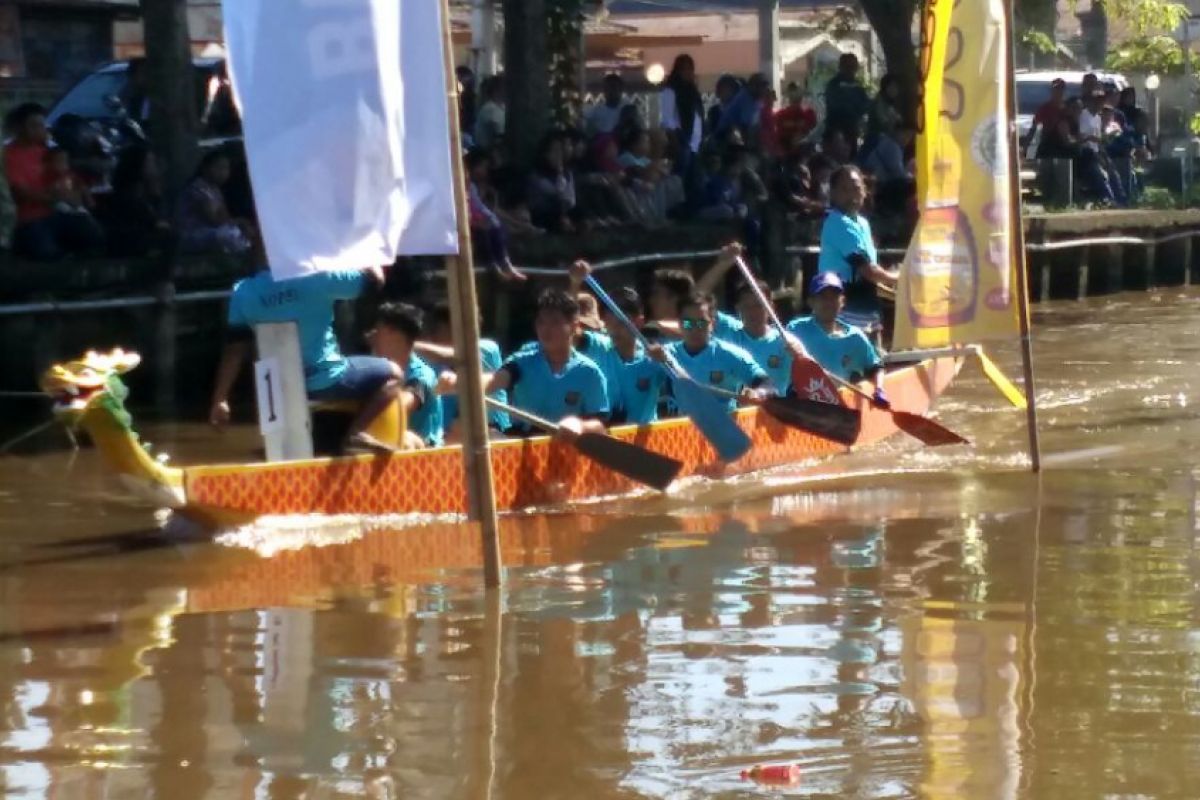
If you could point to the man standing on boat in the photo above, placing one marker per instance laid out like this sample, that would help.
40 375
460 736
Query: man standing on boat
708 360
841 349
551 378
848 250
309 301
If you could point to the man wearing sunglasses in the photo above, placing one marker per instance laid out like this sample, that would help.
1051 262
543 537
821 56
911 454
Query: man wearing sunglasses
712 361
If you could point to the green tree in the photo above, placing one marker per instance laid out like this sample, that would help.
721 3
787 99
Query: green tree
1034 20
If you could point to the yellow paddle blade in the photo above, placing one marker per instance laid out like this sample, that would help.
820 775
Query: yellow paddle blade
1000 381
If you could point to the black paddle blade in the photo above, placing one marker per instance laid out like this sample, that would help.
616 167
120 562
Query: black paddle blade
634 462
926 430
835 423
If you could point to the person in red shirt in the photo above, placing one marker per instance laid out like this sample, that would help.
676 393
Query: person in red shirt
796 120
1048 114
43 233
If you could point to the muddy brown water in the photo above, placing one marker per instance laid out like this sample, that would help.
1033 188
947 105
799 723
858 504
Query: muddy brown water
899 623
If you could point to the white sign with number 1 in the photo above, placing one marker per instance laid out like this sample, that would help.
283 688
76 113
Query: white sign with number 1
270 405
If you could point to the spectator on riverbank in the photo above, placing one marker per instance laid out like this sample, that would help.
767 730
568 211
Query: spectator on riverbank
727 89
743 112
796 120
204 222
682 113
133 216
490 119
467 101
657 190
846 100
489 239
552 200
1093 162
888 163
43 232
603 116
1047 117
885 114
1127 105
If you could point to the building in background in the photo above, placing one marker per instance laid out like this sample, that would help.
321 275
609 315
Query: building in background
46 45
811 36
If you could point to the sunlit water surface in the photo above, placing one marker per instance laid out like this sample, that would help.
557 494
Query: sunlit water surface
900 623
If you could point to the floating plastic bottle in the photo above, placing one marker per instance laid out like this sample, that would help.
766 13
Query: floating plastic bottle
774 774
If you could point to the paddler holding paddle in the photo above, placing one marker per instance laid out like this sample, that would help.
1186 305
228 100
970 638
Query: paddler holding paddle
711 361
550 378
842 350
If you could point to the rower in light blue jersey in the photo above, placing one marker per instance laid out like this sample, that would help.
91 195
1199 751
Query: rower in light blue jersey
713 361
841 349
551 379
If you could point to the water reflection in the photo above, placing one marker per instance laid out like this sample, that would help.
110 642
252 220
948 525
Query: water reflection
903 627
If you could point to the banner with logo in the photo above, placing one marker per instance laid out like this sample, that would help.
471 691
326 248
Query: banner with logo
346 127
958 277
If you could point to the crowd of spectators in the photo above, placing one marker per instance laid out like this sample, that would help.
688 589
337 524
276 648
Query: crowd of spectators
719 161
1102 131
725 160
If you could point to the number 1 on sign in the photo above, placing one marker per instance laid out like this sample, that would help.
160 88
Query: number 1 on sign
265 372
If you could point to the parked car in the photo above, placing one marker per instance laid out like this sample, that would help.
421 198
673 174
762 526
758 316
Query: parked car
103 98
1033 89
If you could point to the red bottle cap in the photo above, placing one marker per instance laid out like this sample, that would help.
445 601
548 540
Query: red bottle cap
778 774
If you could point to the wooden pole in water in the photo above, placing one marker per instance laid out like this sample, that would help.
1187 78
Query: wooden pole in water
464 321
1018 238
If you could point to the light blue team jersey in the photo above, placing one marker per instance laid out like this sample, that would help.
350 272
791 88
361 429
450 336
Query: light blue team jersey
841 237
491 359
426 421
633 386
307 301
770 351
720 364
578 390
726 326
846 353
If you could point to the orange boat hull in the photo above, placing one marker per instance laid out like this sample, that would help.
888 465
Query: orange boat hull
528 472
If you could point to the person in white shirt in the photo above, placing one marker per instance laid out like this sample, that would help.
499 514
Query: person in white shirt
682 112
1093 162
603 117
489 123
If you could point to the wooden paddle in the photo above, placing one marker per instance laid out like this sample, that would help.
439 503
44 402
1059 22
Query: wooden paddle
634 462
708 414
919 427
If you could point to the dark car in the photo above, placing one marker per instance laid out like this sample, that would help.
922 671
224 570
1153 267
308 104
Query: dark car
105 97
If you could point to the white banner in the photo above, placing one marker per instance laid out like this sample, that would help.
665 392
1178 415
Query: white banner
346 127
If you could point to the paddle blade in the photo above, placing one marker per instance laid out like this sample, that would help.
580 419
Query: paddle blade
811 382
836 423
711 415
1000 380
926 430
634 462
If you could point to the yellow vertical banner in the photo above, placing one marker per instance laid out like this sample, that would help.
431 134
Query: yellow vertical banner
957 280
935 26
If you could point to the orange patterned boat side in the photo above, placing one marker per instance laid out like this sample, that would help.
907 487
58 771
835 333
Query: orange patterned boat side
528 472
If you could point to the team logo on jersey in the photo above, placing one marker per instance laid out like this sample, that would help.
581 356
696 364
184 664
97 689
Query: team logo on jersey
716 376
572 398
774 362
643 384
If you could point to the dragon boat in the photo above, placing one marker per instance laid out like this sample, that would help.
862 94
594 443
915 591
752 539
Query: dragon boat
88 393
